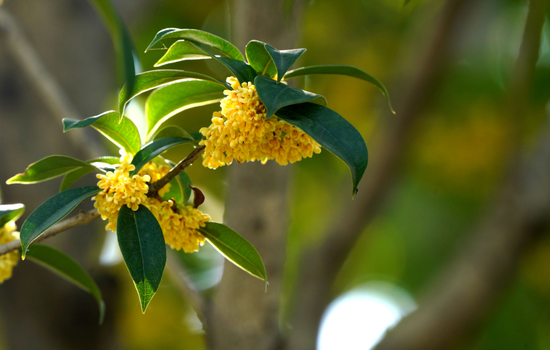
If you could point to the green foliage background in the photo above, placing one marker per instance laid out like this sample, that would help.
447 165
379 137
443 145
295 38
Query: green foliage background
456 160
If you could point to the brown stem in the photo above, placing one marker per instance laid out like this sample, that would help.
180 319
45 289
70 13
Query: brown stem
178 168
80 219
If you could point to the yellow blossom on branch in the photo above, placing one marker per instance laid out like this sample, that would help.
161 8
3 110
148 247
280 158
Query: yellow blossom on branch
179 225
8 260
240 132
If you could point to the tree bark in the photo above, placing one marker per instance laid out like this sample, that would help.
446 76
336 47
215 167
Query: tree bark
244 316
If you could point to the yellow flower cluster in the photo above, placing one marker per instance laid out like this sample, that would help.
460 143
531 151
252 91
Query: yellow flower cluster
156 172
179 226
118 189
8 260
240 132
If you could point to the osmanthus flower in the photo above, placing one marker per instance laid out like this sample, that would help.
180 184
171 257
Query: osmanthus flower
179 225
241 132
8 260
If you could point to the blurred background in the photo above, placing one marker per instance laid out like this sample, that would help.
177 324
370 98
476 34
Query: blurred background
469 115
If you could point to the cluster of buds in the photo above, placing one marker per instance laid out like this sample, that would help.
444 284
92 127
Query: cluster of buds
179 225
241 132
8 260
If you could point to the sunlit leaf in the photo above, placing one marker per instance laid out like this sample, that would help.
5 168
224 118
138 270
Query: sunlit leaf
102 163
122 132
277 95
10 212
259 59
182 50
153 149
48 168
147 81
283 59
65 267
171 131
235 248
332 132
142 246
199 37
121 39
340 69
177 97
50 212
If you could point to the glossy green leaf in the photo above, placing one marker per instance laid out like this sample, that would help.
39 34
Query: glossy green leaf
333 133
283 59
171 131
50 212
154 79
182 50
48 168
72 176
340 69
259 59
172 99
240 69
199 37
68 269
142 246
121 39
277 95
153 149
10 212
122 132
235 248
183 181
101 163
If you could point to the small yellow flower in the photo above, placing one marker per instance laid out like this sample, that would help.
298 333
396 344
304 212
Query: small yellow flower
118 189
156 172
179 226
240 132
8 260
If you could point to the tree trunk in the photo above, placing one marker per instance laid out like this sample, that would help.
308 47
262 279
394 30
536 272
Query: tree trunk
244 315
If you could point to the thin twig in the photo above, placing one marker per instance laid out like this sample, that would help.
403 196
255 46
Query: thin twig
178 168
80 219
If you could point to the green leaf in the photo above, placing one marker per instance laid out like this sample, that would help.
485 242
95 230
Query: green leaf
235 248
333 133
151 80
276 95
10 212
153 149
199 37
48 168
101 163
72 176
240 69
142 246
121 39
182 50
50 212
183 181
171 131
340 69
68 269
172 99
259 59
121 131
283 59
